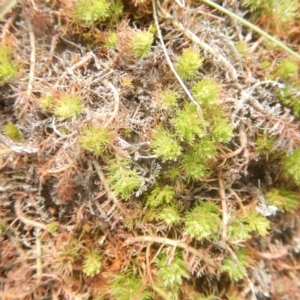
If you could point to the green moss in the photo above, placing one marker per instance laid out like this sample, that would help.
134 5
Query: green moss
68 107
242 47
165 144
170 273
46 103
236 266
95 139
187 124
283 199
206 92
8 68
291 165
286 69
12 131
160 195
203 221
111 41
188 63
169 214
91 11
123 180
52 227
141 43
92 263
127 285
168 99
265 145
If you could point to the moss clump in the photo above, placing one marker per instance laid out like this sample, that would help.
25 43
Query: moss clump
286 69
91 11
168 99
291 165
92 263
141 43
207 92
68 107
46 103
188 63
8 68
12 131
165 144
95 139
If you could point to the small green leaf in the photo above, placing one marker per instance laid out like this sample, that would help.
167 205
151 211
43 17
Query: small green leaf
165 144
202 221
188 63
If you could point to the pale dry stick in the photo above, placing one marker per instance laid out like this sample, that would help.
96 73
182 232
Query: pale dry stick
32 57
6 6
199 110
174 243
39 268
17 148
8 24
224 206
59 170
190 35
79 64
22 217
117 102
107 188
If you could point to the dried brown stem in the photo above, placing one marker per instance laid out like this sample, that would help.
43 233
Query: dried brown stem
22 217
174 243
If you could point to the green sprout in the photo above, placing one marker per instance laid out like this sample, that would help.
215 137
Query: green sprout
283 199
165 144
242 47
286 69
46 103
206 92
194 169
68 107
122 179
91 11
291 165
188 63
187 124
92 263
169 214
236 265
127 285
52 227
141 43
13 132
202 221
168 99
170 273
265 145
8 68
160 195
95 139
111 41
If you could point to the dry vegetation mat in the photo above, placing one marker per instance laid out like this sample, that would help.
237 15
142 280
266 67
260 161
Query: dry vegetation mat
149 150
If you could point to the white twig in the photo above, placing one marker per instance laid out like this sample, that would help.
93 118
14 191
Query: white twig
189 34
199 110
32 57
117 102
